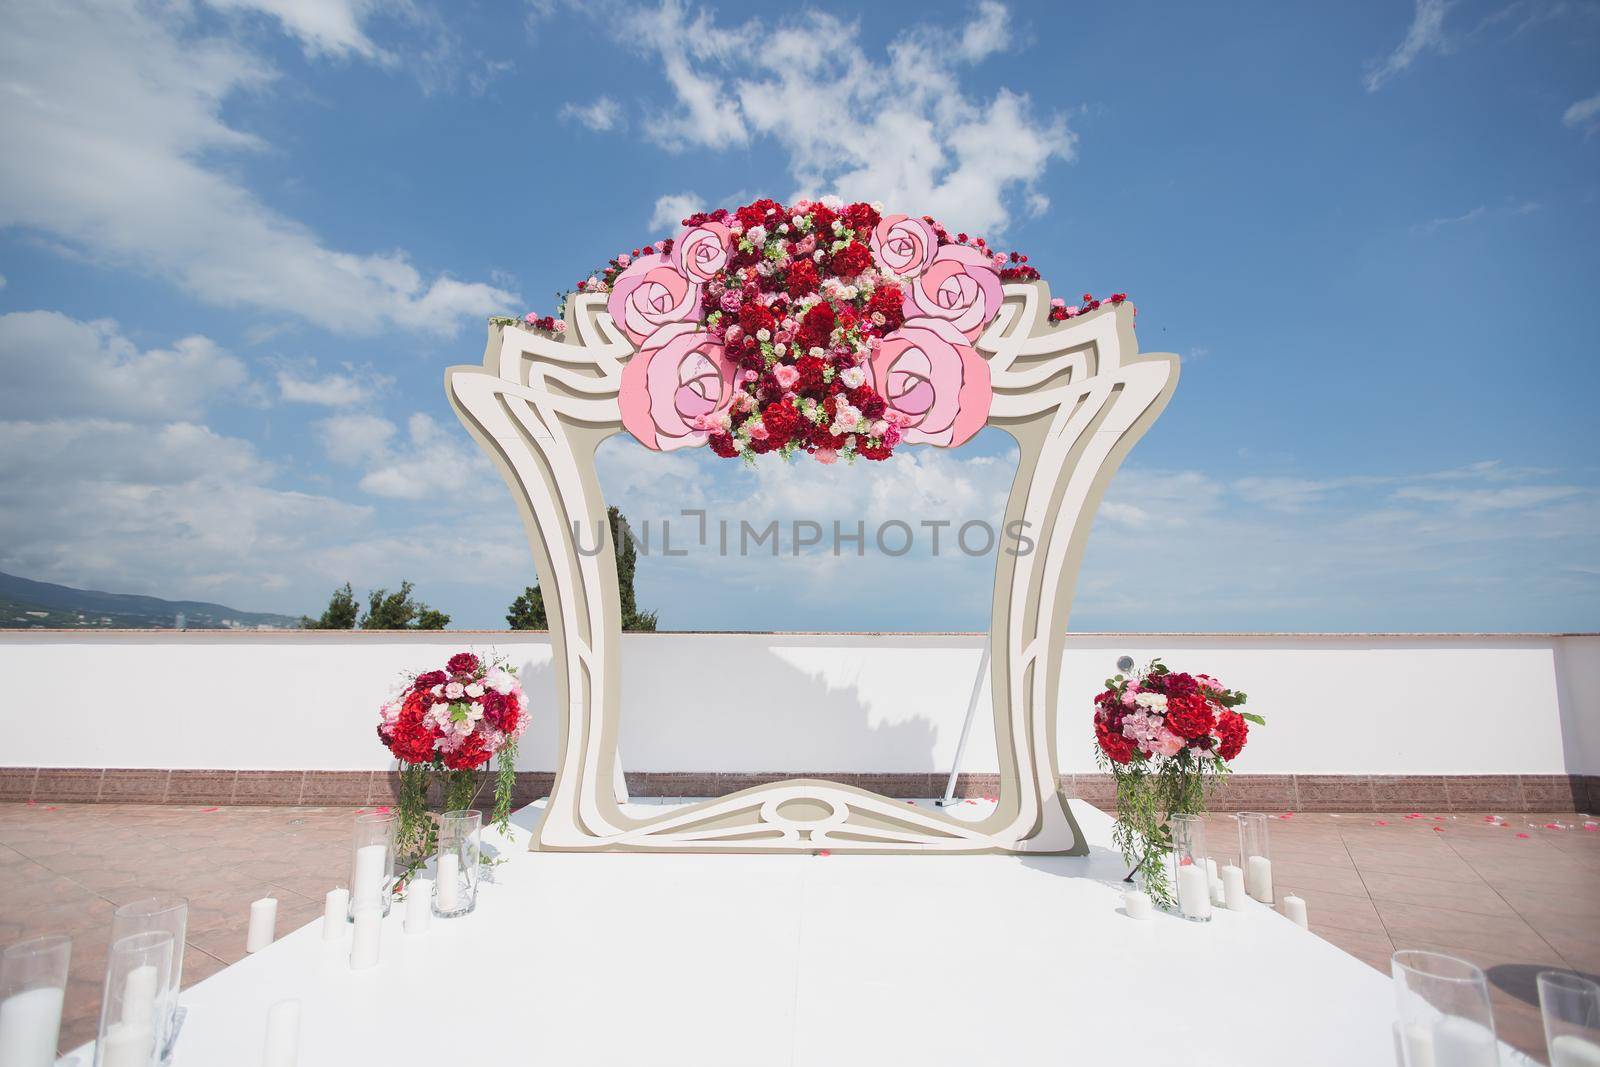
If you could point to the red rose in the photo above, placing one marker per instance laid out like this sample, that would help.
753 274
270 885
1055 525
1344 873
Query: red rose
1117 748
851 260
722 445
1232 732
867 450
822 220
782 422
471 754
1189 716
803 279
816 329
463 663
429 680
890 302
754 317
860 217
755 214
810 368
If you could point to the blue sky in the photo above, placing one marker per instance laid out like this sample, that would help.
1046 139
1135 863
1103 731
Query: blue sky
240 240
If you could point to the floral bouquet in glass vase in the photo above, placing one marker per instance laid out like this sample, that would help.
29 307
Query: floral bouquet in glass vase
1166 738
447 724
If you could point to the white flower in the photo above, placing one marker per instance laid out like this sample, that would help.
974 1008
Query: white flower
845 420
474 711
1157 701
780 348
475 690
437 690
453 691
783 227
763 334
500 680
757 234
854 377
832 202
818 351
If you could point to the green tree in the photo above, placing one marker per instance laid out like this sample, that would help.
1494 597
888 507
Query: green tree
340 614
385 611
527 611
399 611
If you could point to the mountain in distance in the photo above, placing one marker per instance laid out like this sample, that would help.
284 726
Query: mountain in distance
26 604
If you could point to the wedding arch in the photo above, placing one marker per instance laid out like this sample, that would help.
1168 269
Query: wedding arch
629 353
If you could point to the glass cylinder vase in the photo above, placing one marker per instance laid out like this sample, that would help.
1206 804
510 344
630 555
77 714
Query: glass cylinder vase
1571 1009
372 861
1254 856
137 972
1443 1012
455 883
1191 880
33 984
168 913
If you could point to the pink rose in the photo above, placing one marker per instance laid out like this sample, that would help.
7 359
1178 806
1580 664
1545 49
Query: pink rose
651 294
904 245
960 286
935 384
671 391
702 250
786 375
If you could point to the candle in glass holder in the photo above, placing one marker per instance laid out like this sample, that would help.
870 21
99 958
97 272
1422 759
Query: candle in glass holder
127 1044
1233 894
335 913
139 995
368 935
447 887
263 923
1258 879
1136 904
372 862
29 1024
1194 894
1570 1050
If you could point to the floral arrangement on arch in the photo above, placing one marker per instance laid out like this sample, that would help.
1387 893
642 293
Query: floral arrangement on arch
820 327
1167 739
449 723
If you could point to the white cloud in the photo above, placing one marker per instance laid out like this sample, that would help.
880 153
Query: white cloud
672 209
1584 114
603 113
352 386
356 439
431 461
54 365
113 124
323 27
1426 34
974 162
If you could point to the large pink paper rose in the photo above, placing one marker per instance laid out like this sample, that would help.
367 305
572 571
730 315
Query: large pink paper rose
935 384
650 294
904 245
701 251
670 391
960 286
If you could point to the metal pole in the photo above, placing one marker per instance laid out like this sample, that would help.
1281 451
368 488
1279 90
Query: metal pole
966 727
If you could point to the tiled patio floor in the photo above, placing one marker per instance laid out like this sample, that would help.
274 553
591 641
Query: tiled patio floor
1514 898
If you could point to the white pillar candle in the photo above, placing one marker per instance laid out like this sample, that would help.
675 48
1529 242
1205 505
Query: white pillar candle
368 935
335 914
1258 878
1233 894
263 923
283 1035
30 1023
128 1045
139 995
449 877
1211 869
1194 894
419 905
1136 903
371 864
1570 1050
1294 909
1219 896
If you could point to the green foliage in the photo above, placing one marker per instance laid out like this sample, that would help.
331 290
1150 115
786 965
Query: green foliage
527 611
340 614
1146 802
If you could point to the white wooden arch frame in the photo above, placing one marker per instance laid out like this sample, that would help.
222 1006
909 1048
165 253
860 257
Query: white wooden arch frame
1076 396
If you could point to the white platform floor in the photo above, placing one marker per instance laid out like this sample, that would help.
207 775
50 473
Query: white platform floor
720 961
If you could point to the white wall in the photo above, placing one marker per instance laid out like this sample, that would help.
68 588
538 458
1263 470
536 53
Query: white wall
1357 704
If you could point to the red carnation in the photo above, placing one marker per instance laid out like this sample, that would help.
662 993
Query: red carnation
803 279
890 302
429 680
463 663
754 317
1232 732
816 329
781 421
471 754
810 368
1189 716
851 260
722 445
867 450
822 220
860 217
1117 748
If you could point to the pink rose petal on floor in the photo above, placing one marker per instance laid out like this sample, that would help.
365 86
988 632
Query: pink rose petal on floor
204 811
1522 835
1380 822
824 852
1438 829
1553 826
384 810
51 808
33 803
